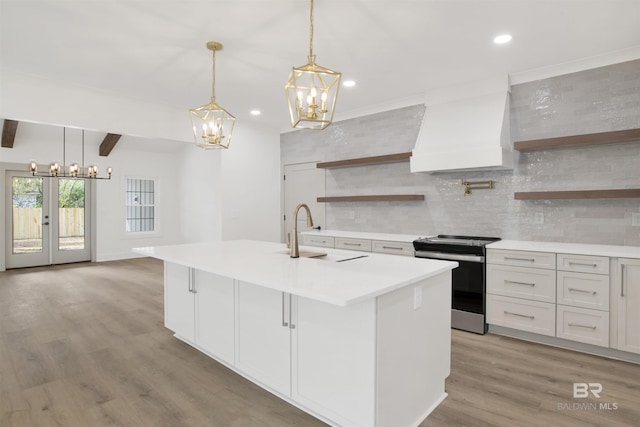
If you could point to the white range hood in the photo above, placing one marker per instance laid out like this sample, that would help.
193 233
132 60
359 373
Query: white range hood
469 130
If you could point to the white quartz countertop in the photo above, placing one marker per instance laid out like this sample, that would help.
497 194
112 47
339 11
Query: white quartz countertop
568 248
388 237
323 279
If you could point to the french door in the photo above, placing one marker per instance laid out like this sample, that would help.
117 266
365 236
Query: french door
47 220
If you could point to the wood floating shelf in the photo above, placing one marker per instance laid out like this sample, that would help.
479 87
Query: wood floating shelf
361 161
632 193
613 137
373 198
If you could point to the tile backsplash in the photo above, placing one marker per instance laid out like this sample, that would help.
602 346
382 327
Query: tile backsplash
597 100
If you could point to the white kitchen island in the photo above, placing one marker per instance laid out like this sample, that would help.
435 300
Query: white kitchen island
354 342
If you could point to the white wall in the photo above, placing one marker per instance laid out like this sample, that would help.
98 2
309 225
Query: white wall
251 185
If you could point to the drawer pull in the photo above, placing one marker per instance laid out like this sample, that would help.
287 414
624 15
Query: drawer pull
583 264
392 247
519 315
582 291
520 259
352 244
622 280
519 283
592 327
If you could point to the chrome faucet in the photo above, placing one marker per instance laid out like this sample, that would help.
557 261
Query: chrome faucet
295 253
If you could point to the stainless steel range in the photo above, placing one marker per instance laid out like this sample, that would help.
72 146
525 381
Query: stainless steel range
468 280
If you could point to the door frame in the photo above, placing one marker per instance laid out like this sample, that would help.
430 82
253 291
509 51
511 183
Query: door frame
5 224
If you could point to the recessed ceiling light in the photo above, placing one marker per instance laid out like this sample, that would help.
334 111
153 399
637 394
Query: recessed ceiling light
255 112
502 39
349 83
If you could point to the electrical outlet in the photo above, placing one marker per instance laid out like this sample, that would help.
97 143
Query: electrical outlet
635 219
538 218
417 297
352 215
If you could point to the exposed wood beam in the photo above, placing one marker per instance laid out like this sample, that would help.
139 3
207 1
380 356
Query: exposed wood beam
108 143
9 133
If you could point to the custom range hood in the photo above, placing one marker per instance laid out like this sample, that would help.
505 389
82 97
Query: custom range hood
465 128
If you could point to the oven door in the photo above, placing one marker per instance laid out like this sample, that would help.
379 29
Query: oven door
467 290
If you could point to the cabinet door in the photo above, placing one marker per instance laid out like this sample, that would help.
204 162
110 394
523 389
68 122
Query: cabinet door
179 311
263 345
629 305
215 315
333 360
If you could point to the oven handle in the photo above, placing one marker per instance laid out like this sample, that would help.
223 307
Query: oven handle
450 257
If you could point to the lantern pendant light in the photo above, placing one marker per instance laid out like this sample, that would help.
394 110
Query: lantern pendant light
212 124
312 91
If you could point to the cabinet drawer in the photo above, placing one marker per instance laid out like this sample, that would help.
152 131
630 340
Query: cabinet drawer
526 315
583 290
353 244
522 282
395 248
583 263
522 258
324 241
583 325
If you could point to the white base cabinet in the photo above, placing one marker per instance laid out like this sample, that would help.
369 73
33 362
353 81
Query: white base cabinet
628 299
381 362
179 314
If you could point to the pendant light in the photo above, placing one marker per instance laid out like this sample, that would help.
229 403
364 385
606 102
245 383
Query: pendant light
212 124
71 171
312 91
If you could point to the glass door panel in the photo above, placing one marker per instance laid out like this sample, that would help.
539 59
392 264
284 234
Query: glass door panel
27 220
71 212
70 238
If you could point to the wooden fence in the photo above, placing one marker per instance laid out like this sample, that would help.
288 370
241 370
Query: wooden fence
26 223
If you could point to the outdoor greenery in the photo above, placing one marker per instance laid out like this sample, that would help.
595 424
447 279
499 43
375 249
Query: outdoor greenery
27 193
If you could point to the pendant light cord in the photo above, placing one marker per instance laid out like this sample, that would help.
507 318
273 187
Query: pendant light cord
311 34
213 78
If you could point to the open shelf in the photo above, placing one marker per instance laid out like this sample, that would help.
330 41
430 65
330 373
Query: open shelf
361 161
373 198
613 137
631 193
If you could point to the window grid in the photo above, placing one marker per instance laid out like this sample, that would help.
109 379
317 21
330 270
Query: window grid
140 205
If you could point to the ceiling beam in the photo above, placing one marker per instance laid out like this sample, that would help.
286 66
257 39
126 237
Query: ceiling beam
108 143
9 133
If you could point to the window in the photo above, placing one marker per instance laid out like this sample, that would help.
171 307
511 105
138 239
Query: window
140 205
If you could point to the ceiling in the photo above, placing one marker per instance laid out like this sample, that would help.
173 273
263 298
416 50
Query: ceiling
155 50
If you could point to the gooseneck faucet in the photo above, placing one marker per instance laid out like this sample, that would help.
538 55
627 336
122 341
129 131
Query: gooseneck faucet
295 253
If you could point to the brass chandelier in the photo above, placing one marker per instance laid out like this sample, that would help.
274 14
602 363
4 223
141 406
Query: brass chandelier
212 124
312 91
73 170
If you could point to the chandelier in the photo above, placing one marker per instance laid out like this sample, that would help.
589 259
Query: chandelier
312 91
72 170
212 124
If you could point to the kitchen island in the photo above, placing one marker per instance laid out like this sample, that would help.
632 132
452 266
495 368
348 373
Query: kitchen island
353 339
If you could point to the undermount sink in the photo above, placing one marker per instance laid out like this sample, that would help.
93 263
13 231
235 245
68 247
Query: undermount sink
325 257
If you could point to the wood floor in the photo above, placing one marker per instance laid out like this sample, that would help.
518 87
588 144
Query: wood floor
84 345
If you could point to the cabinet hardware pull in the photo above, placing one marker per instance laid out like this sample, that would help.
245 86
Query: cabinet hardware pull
284 324
519 283
592 327
392 247
520 259
318 241
193 281
519 315
583 264
622 280
291 325
352 244
582 291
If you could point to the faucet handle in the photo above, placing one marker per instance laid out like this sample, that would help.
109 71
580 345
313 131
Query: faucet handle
288 240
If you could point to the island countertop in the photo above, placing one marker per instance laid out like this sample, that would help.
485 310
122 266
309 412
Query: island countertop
335 278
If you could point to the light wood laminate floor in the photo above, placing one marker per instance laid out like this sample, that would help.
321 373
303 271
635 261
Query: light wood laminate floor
84 345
